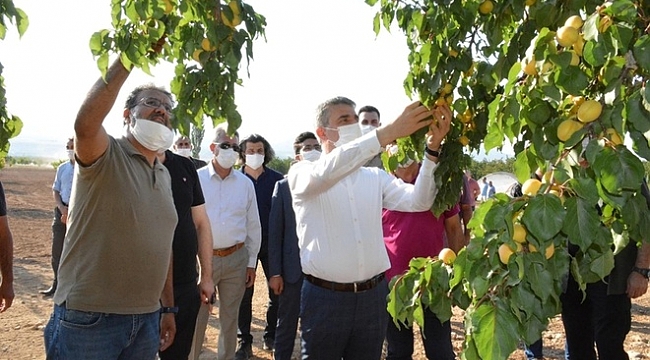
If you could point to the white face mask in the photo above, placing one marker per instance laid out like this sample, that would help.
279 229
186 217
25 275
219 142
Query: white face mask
152 135
311 155
70 154
366 129
227 158
347 133
184 152
254 161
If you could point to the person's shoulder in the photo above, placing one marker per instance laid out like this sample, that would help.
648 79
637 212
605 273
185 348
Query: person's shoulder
276 175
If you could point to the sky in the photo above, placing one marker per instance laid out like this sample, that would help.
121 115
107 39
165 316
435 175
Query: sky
314 50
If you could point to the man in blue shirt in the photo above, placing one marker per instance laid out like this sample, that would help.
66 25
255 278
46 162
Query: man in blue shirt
256 152
61 189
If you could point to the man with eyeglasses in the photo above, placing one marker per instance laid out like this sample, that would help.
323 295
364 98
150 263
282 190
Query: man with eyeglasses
256 153
338 205
114 297
61 190
284 254
183 147
232 209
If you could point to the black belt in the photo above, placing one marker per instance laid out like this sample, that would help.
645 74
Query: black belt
346 287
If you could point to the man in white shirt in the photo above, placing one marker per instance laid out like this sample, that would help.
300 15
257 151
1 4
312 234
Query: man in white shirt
338 207
61 190
232 208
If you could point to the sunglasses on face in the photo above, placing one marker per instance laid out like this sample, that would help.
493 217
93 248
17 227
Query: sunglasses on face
226 146
155 103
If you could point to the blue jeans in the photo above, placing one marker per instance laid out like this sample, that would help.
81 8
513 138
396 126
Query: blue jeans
72 334
344 325
436 338
288 312
602 319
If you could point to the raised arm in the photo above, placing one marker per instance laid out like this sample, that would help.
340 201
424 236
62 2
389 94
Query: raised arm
91 140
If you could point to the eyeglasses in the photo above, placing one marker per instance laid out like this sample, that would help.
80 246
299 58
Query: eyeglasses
311 147
226 146
155 103
184 144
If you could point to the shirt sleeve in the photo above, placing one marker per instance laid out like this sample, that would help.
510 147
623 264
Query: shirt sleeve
253 228
400 196
308 178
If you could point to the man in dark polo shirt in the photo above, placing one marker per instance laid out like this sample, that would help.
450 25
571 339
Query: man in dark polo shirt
192 236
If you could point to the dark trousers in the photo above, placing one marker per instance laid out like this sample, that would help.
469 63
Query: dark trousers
436 337
601 319
58 236
342 325
246 310
288 312
534 350
188 300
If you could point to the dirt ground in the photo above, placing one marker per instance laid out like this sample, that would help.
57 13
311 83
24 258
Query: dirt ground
30 207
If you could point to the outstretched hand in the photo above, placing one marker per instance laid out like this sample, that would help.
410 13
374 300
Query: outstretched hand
414 117
438 129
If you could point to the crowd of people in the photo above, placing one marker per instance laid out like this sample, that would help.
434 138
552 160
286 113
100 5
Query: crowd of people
145 239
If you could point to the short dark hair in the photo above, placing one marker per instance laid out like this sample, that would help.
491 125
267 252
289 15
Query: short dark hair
369 108
297 144
269 154
132 99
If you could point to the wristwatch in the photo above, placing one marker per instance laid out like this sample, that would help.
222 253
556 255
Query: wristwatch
644 272
169 310
434 153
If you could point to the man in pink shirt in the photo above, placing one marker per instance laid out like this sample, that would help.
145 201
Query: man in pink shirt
405 239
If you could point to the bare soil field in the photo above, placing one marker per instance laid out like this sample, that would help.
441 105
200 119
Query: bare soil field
30 207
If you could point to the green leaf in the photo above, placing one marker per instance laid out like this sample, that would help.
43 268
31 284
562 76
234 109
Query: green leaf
538 112
572 80
586 189
376 24
22 22
494 330
639 117
603 263
642 52
618 169
544 216
582 223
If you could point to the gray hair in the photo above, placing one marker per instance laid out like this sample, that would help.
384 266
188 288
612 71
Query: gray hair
323 110
222 130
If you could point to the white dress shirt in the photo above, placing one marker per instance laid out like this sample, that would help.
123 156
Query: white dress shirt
232 208
338 205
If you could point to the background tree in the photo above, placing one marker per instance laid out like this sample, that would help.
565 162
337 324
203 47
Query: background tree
565 82
196 137
207 41
10 125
